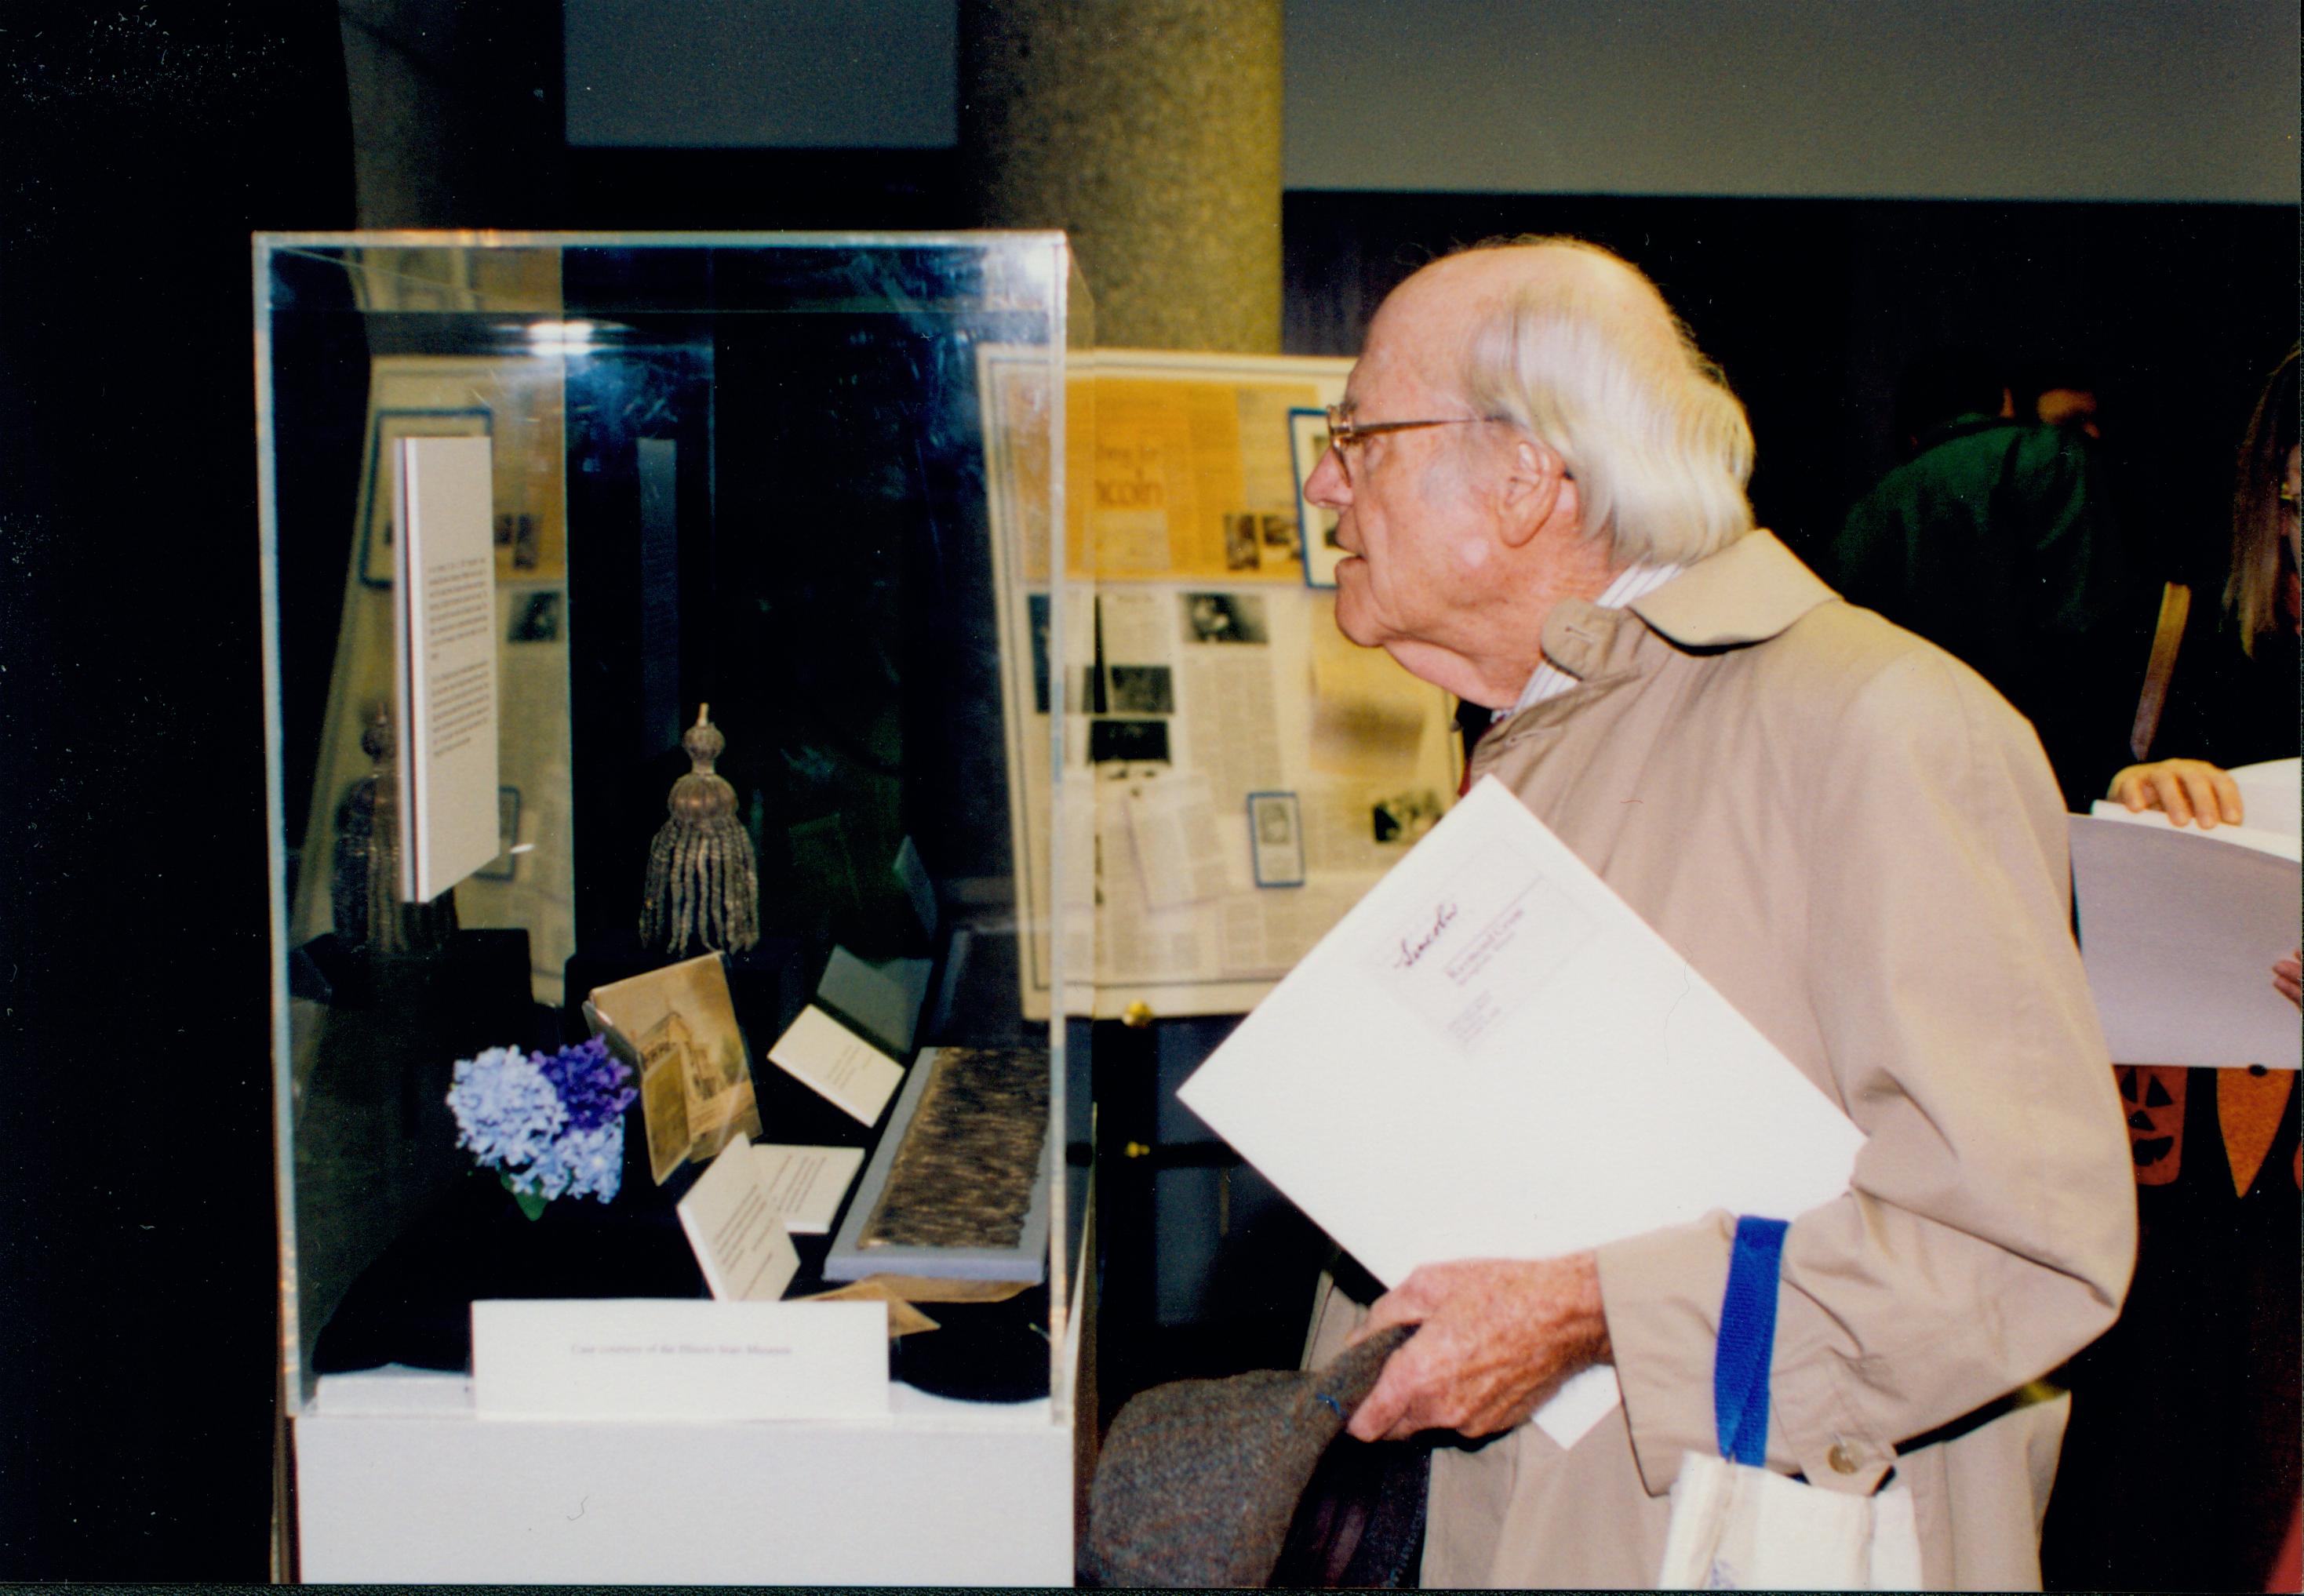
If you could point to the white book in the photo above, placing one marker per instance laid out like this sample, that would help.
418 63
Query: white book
1492 1055
444 610
2179 929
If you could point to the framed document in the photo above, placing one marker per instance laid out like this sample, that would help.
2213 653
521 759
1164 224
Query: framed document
1275 839
1186 636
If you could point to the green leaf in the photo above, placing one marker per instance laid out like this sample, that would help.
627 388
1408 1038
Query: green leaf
531 1204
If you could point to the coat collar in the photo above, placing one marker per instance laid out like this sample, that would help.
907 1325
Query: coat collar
1746 593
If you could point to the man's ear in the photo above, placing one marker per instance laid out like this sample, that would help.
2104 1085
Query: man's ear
1533 486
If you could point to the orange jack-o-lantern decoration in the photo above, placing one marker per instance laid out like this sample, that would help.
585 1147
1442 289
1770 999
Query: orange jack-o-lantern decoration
2152 1095
2250 1104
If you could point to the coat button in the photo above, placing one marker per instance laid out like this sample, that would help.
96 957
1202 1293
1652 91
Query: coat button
1843 1460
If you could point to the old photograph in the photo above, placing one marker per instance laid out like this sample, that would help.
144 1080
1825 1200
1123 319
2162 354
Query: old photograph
664 1104
1240 546
1129 742
536 618
1143 690
1404 816
680 1025
1275 818
1223 618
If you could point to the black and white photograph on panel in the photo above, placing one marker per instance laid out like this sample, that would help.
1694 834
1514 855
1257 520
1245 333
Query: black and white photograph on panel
1143 690
1223 618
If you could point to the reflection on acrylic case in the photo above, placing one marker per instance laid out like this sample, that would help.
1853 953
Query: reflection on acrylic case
506 865
514 402
1308 441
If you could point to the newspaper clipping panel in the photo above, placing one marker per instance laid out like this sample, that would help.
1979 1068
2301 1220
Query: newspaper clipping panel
1239 774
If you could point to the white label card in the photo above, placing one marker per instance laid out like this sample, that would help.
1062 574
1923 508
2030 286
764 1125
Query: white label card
643 1358
443 609
826 1055
738 1235
805 1184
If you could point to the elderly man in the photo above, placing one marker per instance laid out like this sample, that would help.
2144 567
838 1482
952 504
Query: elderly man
1540 484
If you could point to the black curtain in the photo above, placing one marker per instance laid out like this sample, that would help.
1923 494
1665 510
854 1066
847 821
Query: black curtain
143 143
2174 312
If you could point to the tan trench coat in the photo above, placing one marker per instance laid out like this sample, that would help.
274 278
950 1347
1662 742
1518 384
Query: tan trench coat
1859 843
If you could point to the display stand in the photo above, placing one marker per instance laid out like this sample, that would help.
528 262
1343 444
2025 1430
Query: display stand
746 470
397 1480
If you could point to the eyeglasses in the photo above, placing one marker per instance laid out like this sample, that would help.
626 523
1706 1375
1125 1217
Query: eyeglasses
1344 432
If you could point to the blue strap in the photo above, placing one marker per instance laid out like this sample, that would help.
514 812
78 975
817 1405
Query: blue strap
1748 1340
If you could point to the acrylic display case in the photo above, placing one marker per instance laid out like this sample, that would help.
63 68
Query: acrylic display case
808 480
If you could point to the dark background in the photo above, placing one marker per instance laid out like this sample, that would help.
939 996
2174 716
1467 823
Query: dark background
2174 312
136 1263
140 143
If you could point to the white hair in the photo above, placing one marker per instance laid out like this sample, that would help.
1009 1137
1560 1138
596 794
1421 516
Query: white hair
1589 359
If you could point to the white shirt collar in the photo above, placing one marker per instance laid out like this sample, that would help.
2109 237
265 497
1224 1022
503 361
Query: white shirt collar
1632 583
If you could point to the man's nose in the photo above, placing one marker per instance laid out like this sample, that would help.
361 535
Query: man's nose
1328 485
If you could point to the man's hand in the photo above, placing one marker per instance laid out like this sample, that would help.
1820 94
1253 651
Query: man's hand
2288 978
2186 790
1497 1333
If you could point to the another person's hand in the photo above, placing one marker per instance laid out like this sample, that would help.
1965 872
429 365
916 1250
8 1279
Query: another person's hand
1497 1334
2185 790
2288 978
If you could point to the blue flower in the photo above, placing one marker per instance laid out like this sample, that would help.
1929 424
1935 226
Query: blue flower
593 1087
580 1163
506 1111
552 1124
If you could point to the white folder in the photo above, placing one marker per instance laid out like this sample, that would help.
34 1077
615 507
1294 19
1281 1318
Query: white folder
1492 1055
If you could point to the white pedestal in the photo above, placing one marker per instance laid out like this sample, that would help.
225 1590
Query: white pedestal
398 1481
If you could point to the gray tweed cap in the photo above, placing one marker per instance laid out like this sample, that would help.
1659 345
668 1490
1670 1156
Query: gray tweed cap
1199 1480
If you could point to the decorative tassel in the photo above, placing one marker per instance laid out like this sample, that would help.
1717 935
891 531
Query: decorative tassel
702 884
366 890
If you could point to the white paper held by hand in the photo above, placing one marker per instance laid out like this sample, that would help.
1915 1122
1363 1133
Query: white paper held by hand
1493 1056
2178 930
2271 796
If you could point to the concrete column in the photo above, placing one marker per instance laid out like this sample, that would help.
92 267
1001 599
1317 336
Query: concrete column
1149 131
455 111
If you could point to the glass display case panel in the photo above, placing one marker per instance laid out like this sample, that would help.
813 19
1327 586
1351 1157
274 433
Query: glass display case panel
1254 772
803 485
